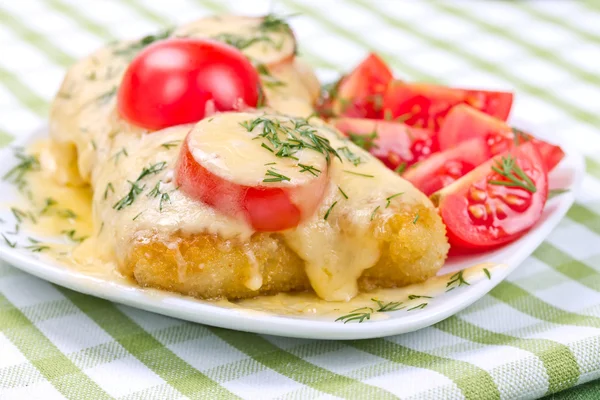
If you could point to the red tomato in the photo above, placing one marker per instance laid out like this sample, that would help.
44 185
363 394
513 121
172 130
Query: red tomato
177 81
480 214
395 144
359 94
464 122
266 207
425 106
443 168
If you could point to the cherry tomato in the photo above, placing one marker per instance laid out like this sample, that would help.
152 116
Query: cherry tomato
485 209
464 122
267 207
177 81
397 145
443 168
425 105
359 94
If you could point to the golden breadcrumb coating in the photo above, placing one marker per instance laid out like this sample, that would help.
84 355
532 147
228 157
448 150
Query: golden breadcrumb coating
206 266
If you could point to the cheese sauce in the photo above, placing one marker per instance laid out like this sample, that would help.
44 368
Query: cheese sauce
131 171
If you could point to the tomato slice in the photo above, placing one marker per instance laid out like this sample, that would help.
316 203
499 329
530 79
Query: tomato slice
177 81
223 166
359 94
484 209
443 168
425 106
397 145
464 122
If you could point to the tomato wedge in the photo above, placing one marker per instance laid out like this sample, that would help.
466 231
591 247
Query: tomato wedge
359 94
397 145
221 165
443 168
485 208
464 122
425 106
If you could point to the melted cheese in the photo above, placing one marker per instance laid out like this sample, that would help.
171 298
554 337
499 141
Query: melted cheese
131 205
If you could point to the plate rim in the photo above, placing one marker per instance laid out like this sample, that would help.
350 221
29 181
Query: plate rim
187 308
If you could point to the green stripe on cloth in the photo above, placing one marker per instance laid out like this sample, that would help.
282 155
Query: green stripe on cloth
587 391
356 38
520 299
483 64
509 34
568 266
23 93
293 367
36 39
474 382
143 346
593 5
592 167
558 21
5 138
562 374
147 13
83 21
585 216
45 356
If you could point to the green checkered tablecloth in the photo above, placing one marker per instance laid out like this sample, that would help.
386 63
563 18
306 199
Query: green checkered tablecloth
536 334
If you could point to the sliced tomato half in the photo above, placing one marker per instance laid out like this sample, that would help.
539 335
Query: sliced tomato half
464 122
425 106
360 93
443 168
485 209
245 189
397 145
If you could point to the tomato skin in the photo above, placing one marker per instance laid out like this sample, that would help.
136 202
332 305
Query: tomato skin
176 81
359 93
443 168
425 106
396 143
464 122
266 208
479 215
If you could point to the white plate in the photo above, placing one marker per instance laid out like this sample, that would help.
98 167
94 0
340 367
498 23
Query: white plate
568 175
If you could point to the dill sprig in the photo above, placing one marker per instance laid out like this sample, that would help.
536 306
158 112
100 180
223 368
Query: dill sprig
26 163
277 177
267 78
417 296
508 168
8 242
360 315
49 202
109 188
456 280
401 168
419 307
416 219
273 23
164 197
389 199
487 273
310 169
329 210
350 156
374 212
367 142
130 197
135 47
104 98
36 246
72 234
343 193
172 143
388 307
118 154
241 42
152 170
359 174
